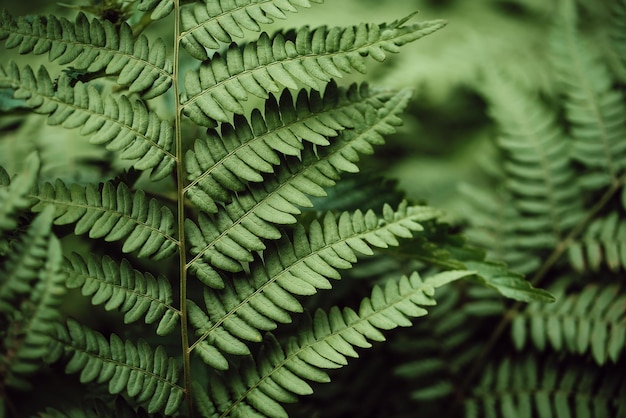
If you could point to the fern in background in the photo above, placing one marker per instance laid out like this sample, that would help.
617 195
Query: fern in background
209 232
553 210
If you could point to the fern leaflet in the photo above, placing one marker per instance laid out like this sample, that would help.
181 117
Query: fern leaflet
326 342
590 320
149 376
112 213
298 267
119 286
208 24
311 57
122 125
94 46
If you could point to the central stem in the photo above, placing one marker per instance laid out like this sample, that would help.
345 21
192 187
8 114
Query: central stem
180 200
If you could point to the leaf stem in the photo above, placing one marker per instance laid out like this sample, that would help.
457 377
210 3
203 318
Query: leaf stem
554 257
180 202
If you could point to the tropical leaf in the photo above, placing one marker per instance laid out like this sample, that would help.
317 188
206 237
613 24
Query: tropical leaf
146 375
113 213
118 286
309 57
123 125
95 46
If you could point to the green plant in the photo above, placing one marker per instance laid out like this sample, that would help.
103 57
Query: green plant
552 207
202 223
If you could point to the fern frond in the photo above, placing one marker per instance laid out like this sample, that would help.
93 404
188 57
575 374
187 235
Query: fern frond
596 110
97 409
440 350
268 295
25 260
119 286
226 161
603 243
540 177
95 46
123 125
229 240
207 25
530 387
310 57
148 376
591 320
113 213
326 342
29 333
158 9
493 226
14 193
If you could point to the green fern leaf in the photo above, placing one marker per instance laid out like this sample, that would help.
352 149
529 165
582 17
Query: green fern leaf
540 176
94 46
596 110
283 372
158 9
589 321
148 376
268 295
602 244
229 240
112 213
96 409
24 261
312 57
119 286
14 192
528 387
122 125
207 25
29 333
226 161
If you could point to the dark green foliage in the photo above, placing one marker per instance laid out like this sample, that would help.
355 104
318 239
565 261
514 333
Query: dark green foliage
240 248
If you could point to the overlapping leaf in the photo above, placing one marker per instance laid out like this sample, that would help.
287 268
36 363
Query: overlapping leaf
299 266
113 213
33 283
592 320
94 46
530 387
123 125
282 372
14 192
27 257
208 24
540 176
227 160
119 286
227 240
595 109
158 8
147 375
602 244
309 57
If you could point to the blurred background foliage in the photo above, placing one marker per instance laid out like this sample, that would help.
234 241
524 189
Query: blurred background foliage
447 142
447 137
